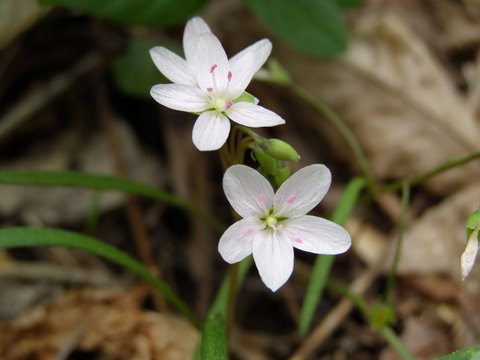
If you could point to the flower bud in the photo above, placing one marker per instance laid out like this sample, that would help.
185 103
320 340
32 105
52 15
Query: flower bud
267 163
467 259
282 175
280 150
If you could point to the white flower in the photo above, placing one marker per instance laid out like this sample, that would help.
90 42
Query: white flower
206 82
273 224
470 253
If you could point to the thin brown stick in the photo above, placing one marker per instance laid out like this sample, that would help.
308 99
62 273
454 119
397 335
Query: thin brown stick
134 214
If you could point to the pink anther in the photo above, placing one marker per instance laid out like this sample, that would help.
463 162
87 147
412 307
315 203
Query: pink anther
209 89
291 199
212 69
229 76
229 105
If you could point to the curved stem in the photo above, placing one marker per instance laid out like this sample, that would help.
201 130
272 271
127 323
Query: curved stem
342 128
398 247
417 179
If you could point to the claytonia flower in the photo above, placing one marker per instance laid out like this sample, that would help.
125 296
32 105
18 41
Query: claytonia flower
468 257
208 83
275 223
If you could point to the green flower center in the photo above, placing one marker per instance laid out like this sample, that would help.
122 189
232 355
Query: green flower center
271 221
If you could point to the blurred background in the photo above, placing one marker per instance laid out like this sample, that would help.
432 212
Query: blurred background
404 76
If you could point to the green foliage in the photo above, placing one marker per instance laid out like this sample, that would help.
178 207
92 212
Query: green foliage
134 71
323 263
33 237
214 339
345 4
314 26
381 315
135 12
85 180
472 353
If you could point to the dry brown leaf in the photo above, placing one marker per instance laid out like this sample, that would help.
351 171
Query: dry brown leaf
109 322
400 103
423 338
17 16
436 240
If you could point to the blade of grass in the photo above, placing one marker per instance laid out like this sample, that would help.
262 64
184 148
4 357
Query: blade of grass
34 237
214 338
323 263
77 179
220 303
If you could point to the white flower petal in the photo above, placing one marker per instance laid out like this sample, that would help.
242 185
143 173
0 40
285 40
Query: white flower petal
249 193
302 191
253 115
236 242
210 63
246 63
470 253
210 131
317 235
194 28
273 255
180 97
172 66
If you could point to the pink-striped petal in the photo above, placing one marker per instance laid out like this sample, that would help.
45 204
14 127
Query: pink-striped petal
180 97
302 191
249 193
210 131
172 66
236 242
317 235
273 256
253 115
245 64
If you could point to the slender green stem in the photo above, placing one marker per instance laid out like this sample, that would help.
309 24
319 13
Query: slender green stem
342 128
417 179
232 298
398 247
84 180
392 338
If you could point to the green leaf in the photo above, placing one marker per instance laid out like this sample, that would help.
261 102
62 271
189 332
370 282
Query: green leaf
219 305
135 12
33 237
77 179
345 4
314 26
323 263
214 339
134 71
472 353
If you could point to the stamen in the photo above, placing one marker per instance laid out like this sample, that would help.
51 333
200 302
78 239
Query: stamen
229 76
212 69
229 105
209 89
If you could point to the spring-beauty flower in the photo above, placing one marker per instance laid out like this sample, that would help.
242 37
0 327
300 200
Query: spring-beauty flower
468 257
206 82
275 223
